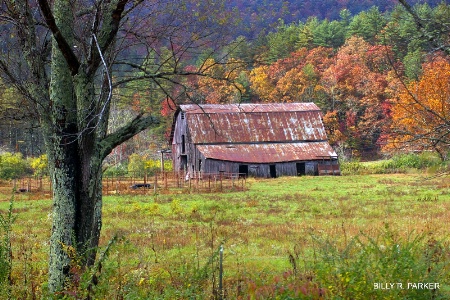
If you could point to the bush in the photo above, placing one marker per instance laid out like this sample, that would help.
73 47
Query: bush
359 269
116 170
416 161
40 165
13 166
400 163
136 165
139 165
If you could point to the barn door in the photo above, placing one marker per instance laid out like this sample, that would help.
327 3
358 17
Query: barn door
301 170
273 171
243 170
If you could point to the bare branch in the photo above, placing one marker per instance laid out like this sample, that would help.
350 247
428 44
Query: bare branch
107 36
138 124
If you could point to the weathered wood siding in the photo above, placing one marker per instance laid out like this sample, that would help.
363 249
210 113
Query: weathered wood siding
259 170
182 148
194 126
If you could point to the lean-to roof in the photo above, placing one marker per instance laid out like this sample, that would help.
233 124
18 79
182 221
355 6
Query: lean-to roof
268 153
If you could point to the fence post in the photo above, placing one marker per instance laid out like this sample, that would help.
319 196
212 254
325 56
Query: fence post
165 180
221 272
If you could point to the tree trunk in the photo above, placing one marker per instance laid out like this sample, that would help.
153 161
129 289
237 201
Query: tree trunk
75 162
61 130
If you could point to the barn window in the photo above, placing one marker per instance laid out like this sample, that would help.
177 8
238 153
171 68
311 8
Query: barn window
182 115
183 144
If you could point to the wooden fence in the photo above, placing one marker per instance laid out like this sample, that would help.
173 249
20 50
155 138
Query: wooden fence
161 182
174 181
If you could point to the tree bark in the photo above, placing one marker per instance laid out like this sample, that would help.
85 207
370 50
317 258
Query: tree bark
70 90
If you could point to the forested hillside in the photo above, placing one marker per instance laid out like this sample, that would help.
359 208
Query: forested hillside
381 84
263 15
370 68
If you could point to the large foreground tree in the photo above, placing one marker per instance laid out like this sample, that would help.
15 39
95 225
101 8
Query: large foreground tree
66 57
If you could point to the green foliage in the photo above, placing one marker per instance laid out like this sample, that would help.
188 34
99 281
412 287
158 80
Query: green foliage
401 163
357 269
367 24
416 161
6 222
139 166
329 34
13 166
116 170
136 165
413 64
40 165
282 42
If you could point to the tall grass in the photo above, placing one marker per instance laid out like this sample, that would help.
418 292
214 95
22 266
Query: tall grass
401 163
6 257
286 238
383 266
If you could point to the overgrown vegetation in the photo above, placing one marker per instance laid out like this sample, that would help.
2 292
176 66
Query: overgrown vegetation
13 166
401 163
286 238
6 255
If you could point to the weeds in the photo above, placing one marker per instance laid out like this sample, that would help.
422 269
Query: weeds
6 256
401 163
287 238
385 266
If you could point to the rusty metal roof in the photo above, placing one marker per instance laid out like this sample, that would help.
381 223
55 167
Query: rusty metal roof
268 153
248 107
250 123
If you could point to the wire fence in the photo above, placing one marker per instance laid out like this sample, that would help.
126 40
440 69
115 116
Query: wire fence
159 182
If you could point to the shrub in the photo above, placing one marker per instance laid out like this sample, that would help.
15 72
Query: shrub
6 222
116 170
136 165
416 161
139 165
362 268
40 165
400 163
13 166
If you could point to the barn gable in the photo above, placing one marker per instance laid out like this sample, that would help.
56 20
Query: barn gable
222 138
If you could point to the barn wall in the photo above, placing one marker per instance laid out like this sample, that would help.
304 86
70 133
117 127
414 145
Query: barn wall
258 170
182 148
187 157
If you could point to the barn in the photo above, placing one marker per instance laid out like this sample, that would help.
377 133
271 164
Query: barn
261 140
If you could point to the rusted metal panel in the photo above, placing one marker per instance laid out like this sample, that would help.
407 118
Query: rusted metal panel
248 107
256 127
267 153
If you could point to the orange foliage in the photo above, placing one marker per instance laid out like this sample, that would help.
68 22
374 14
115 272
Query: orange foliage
219 83
422 112
292 79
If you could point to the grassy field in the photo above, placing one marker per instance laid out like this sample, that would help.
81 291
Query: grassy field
345 237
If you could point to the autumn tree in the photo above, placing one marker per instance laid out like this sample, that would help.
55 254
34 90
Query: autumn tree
292 79
219 85
421 114
356 84
66 58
